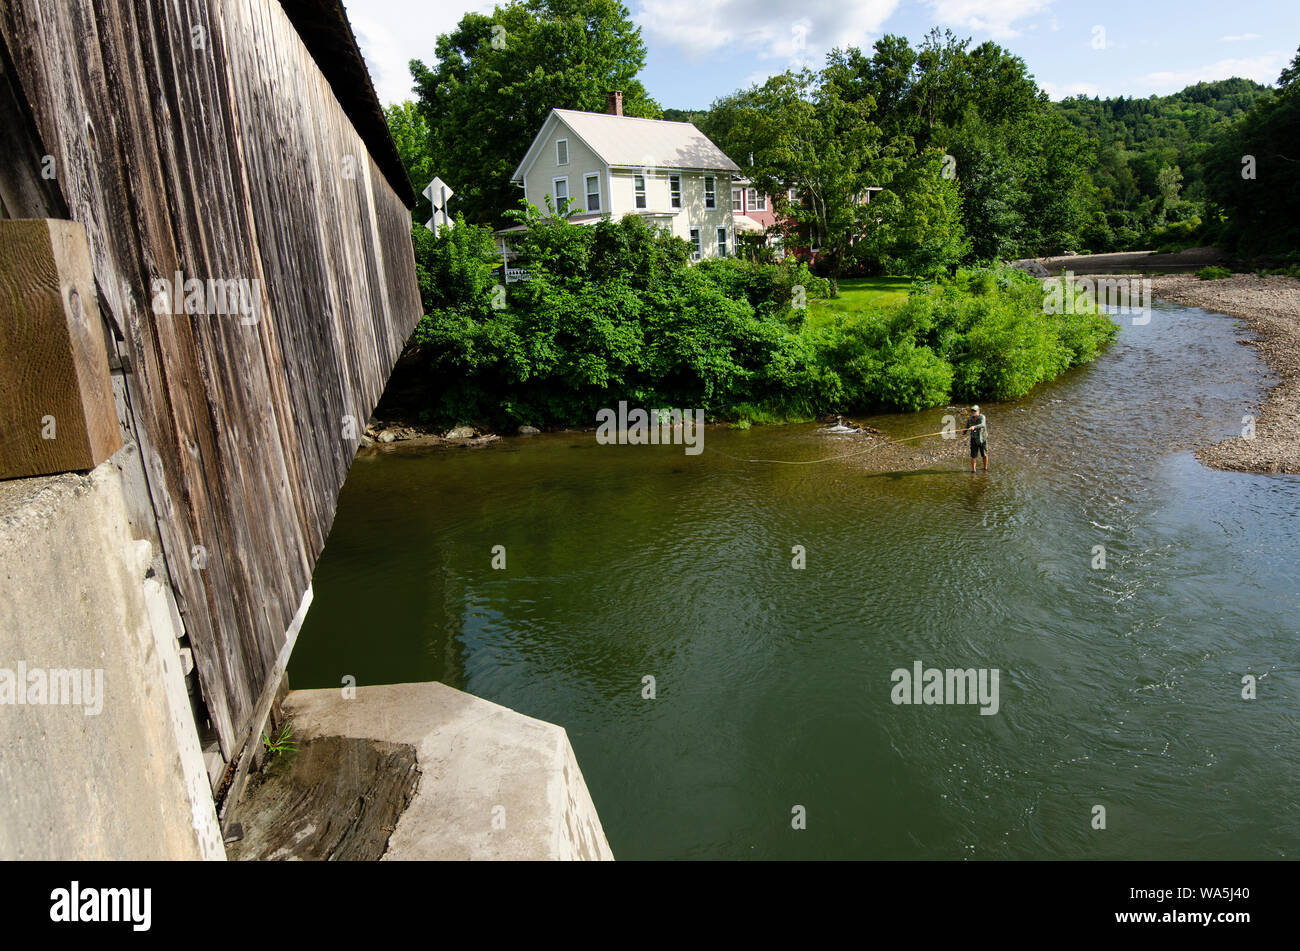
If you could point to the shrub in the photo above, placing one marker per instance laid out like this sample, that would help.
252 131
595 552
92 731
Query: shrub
616 311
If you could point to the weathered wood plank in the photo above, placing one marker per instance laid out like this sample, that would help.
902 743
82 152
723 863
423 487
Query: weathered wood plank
56 397
199 137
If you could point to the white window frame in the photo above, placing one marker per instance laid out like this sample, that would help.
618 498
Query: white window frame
754 201
710 191
722 241
675 191
555 193
639 199
587 193
738 201
558 163
697 246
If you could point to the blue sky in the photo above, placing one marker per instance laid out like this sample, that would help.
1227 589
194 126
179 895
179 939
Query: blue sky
702 49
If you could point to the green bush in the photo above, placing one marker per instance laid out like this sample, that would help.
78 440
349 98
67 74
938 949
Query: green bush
616 311
1213 272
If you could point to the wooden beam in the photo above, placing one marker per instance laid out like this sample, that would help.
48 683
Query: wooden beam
56 399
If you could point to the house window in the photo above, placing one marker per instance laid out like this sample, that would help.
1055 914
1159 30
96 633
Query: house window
736 204
561 194
697 251
593 193
757 202
710 192
675 190
640 190
793 194
722 242
561 151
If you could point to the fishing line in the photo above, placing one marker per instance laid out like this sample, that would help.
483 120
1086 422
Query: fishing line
847 455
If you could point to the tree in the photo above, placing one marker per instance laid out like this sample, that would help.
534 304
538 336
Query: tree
411 135
981 107
919 230
497 78
1252 173
806 136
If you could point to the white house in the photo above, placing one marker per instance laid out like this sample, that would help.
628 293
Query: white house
606 163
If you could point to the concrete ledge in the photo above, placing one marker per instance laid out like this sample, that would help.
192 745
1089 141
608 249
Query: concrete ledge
122 777
494 784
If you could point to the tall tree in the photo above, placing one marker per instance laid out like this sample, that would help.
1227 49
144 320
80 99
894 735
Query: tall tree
1012 158
805 135
497 77
916 227
414 141
1252 173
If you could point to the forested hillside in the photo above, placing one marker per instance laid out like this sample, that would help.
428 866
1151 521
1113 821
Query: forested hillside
1148 171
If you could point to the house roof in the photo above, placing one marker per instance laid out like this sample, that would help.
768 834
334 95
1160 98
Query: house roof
635 143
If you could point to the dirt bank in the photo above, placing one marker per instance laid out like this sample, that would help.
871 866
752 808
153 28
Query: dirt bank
1150 262
1271 307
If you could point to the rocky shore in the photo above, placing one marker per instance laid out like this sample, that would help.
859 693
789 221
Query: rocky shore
394 432
1271 308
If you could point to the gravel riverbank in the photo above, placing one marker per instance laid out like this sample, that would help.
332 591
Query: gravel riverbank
1271 307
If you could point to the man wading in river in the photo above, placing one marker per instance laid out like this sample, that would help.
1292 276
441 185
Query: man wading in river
979 437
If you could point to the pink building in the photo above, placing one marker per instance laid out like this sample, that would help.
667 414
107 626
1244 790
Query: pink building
753 212
747 201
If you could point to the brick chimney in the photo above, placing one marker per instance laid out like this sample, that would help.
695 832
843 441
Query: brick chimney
614 102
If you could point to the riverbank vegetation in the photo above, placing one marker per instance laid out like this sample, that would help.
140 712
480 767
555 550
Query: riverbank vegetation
616 311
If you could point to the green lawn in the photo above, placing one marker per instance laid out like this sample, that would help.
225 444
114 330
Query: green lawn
861 293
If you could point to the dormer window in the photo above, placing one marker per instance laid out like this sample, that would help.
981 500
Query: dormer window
561 151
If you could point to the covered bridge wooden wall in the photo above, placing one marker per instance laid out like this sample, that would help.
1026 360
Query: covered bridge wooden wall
202 137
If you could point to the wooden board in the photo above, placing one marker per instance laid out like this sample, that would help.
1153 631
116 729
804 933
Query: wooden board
56 398
200 137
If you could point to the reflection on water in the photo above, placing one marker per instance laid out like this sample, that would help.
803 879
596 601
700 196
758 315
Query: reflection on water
1120 685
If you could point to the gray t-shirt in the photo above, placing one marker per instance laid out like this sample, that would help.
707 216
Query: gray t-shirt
980 436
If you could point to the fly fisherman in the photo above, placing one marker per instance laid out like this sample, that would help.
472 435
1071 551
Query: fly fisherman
978 427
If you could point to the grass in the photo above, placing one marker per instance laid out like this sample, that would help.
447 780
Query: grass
861 293
283 743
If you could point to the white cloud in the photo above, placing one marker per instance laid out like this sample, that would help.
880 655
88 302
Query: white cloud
391 33
1239 37
994 17
796 33
1262 69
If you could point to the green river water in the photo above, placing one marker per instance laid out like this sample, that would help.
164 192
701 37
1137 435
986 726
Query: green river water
1118 686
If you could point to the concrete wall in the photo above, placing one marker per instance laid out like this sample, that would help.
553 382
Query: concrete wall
126 782
494 784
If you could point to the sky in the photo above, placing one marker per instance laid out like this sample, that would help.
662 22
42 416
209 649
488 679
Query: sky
700 50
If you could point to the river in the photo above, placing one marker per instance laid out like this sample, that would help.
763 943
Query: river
1119 686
